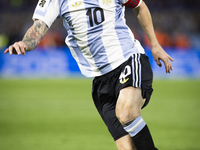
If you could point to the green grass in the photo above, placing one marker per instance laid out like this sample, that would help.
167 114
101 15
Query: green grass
60 115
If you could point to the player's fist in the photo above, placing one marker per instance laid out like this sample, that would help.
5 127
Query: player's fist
17 48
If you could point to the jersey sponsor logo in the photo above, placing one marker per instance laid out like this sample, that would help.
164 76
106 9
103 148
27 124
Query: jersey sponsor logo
42 3
77 4
106 2
123 77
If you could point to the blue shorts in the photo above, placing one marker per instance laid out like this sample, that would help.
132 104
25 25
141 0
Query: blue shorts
136 72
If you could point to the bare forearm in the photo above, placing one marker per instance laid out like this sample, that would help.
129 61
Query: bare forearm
35 34
144 17
31 39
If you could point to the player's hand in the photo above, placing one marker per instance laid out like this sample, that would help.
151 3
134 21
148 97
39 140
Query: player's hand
17 48
159 54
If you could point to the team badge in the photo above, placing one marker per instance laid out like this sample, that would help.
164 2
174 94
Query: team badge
42 3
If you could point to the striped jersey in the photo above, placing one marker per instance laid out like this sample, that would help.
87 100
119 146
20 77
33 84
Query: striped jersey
98 36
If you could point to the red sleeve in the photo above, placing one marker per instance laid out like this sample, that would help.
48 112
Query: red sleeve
132 3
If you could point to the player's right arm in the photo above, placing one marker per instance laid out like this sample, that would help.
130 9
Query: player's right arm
31 39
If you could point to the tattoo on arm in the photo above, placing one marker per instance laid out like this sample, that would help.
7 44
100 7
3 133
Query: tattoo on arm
35 34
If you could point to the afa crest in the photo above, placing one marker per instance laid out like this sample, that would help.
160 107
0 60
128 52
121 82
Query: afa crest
42 3
107 2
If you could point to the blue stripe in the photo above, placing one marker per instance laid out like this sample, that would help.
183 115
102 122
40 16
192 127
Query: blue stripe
95 42
42 13
139 127
85 67
121 28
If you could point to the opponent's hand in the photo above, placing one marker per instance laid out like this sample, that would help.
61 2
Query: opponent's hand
17 48
159 54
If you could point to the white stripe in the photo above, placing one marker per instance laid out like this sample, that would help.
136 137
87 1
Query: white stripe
135 126
109 36
80 30
74 54
129 30
136 71
139 65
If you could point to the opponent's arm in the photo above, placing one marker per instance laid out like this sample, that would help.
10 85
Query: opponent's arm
31 39
144 17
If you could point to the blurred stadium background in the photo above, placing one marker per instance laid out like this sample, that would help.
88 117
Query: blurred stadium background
176 22
39 104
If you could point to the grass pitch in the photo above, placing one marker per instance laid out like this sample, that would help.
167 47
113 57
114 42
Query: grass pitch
60 115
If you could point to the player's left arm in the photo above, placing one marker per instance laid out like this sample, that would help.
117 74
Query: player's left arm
144 17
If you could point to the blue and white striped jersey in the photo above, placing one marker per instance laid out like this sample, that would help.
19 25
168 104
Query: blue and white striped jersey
98 36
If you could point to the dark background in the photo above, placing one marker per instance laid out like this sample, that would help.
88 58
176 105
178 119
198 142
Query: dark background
176 22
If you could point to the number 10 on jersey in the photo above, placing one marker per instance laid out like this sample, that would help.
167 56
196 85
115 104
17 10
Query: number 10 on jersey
96 16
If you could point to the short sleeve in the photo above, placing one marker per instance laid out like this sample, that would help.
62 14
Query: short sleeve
131 3
47 11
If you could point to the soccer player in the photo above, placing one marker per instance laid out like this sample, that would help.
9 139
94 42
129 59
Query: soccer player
105 48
